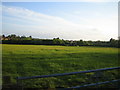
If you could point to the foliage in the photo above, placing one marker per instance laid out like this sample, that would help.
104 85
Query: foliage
13 39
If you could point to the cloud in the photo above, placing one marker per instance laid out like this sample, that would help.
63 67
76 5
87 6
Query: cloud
27 22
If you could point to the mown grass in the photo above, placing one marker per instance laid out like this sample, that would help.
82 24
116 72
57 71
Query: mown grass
33 60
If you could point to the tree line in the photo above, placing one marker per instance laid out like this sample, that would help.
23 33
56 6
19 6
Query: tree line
14 39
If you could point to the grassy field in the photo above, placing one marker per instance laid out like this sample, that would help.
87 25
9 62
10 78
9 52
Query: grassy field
33 60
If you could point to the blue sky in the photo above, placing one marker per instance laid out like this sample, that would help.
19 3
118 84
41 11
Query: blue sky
67 20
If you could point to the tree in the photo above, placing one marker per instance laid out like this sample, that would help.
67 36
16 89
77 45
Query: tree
80 43
3 37
30 37
11 37
57 41
113 42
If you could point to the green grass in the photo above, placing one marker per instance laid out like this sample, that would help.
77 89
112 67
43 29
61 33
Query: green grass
33 60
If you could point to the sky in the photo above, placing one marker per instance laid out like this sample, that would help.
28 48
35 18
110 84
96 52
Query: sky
66 20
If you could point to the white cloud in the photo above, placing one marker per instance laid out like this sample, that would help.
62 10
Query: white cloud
26 22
